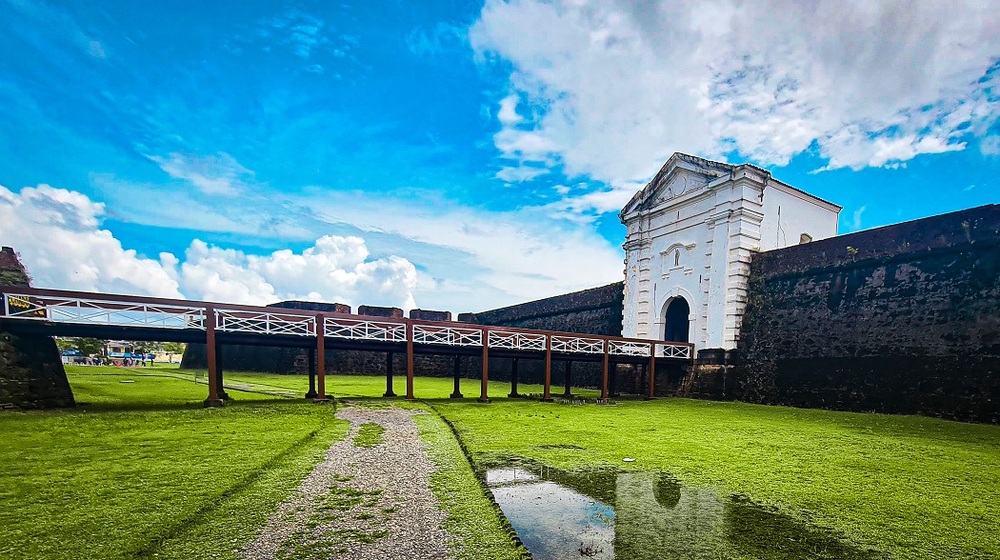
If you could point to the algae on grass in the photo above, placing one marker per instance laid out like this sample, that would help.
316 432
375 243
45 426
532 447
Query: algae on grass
369 435
317 536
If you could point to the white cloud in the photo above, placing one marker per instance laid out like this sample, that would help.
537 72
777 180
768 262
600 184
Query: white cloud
333 269
609 90
299 31
441 38
856 217
990 145
220 174
507 115
496 258
59 236
520 173
526 255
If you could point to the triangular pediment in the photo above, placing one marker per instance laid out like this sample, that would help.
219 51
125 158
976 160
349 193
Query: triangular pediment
679 176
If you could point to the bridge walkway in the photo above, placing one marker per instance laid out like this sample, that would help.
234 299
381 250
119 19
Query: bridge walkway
112 316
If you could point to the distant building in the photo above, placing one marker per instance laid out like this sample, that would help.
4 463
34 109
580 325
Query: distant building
691 232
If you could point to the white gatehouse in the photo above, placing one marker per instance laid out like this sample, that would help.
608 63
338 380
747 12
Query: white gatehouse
691 233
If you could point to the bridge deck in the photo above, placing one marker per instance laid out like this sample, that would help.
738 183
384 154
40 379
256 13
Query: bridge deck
112 316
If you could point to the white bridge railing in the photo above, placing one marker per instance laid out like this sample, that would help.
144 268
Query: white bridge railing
628 348
360 329
512 340
56 306
451 336
99 312
265 323
668 350
577 344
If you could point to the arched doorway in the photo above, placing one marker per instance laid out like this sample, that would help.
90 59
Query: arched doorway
676 324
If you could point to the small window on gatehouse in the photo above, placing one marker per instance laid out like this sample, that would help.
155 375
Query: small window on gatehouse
805 238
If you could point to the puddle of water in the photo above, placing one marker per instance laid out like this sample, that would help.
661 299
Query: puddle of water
552 520
641 515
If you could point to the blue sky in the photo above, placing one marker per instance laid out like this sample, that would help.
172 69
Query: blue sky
456 155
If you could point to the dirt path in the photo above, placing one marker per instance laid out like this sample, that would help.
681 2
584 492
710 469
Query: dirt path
361 502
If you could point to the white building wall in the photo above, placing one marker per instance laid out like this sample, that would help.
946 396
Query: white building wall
787 216
692 232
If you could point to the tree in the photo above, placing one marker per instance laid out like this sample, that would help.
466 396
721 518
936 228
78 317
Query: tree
64 344
89 346
145 347
172 348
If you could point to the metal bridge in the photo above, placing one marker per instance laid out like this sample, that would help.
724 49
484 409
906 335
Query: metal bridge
111 316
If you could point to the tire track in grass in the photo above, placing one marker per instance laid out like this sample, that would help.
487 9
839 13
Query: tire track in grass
156 543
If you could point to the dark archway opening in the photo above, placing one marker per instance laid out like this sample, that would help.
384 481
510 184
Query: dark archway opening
676 327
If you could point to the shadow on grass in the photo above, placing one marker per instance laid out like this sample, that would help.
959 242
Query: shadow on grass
166 406
156 542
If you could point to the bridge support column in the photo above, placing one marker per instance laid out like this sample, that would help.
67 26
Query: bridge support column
651 373
210 348
321 360
613 378
513 379
604 372
568 380
220 383
388 376
547 393
484 384
311 393
457 373
409 361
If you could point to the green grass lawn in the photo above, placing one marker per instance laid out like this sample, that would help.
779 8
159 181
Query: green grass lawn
913 486
353 386
141 469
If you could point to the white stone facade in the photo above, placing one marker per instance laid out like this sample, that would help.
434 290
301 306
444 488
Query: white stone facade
691 233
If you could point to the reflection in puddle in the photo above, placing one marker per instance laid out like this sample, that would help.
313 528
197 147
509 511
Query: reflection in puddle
639 515
552 520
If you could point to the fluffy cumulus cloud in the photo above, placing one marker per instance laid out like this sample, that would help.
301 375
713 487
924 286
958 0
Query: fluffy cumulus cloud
609 89
334 269
60 238
479 259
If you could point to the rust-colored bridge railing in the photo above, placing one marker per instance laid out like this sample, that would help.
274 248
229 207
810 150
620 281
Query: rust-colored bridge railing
81 313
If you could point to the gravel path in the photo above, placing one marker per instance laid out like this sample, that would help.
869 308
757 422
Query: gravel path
361 503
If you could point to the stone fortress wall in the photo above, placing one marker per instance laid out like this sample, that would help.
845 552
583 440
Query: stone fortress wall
31 371
898 319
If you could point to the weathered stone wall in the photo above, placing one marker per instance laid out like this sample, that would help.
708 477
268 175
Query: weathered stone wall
31 373
593 311
900 319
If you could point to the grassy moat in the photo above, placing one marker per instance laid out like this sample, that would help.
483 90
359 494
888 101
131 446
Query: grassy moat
140 469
